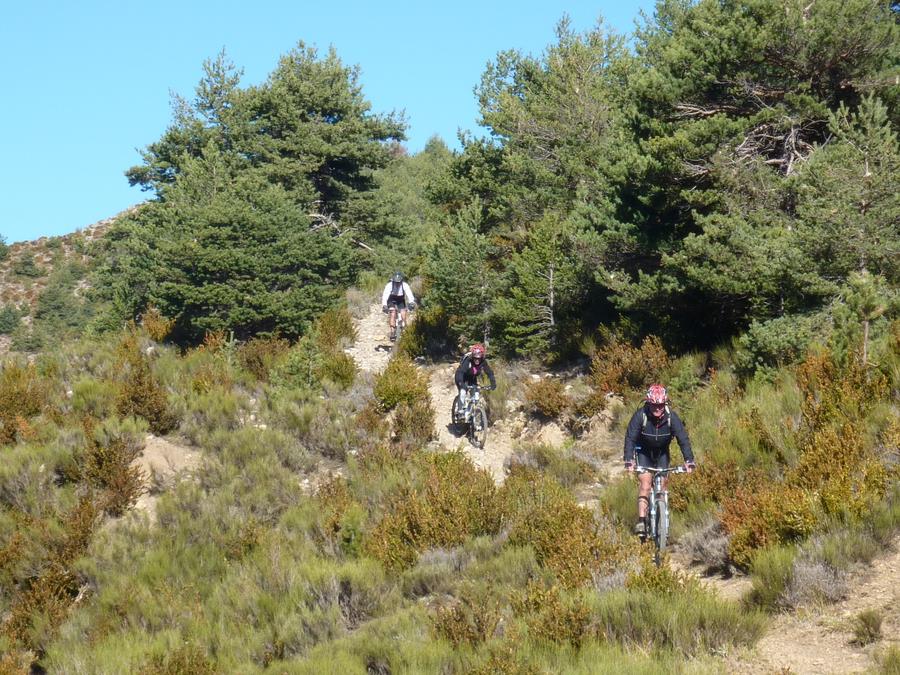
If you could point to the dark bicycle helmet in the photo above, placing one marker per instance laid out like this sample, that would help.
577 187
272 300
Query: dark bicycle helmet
397 278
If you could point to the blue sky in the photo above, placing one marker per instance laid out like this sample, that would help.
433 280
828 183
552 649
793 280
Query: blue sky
86 84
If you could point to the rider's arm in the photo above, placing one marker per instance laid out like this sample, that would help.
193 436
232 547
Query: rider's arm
460 375
386 294
633 434
489 372
681 436
408 294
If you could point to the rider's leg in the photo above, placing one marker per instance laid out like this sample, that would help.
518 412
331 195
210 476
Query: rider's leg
392 321
644 481
463 400
403 314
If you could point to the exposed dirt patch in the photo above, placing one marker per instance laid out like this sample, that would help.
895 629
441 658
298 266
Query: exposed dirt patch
163 461
818 640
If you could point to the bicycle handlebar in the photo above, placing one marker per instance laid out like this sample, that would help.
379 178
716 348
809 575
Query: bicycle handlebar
653 469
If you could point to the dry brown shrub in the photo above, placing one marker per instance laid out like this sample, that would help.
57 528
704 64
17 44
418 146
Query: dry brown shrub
157 326
259 355
107 468
760 518
468 620
140 393
549 616
456 501
547 397
17 662
617 366
23 395
566 538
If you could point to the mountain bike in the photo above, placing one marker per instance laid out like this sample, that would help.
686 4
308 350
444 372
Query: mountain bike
659 507
474 416
400 327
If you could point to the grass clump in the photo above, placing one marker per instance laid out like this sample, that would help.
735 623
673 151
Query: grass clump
867 627
180 661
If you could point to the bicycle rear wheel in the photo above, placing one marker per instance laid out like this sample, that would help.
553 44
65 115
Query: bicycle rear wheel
478 427
662 528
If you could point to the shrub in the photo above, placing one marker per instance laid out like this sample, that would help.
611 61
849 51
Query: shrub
456 501
339 368
157 326
106 465
563 465
428 335
867 627
140 393
769 345
618 367
23 395
414 423
566 539
470 619
26 266
9 319
550 615
690 623
93 398
772 569
762 518
334 328
259 355
180 661
547 397
400 382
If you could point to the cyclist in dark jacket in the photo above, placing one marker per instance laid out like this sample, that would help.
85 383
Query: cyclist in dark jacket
473 364
649 434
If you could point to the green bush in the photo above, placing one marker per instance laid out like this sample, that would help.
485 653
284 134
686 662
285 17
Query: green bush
334 329
260 355
772 572
94 398
400 382
9 319
772 344
25 265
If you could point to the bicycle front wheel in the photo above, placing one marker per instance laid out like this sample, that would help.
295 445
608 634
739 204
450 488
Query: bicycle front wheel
478 427
662 528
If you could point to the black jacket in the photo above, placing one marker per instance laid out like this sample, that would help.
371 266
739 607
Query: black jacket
654 435
468 372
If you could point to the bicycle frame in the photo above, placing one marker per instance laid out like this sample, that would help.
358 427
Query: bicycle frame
659 505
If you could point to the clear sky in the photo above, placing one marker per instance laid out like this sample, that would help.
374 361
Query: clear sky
85 84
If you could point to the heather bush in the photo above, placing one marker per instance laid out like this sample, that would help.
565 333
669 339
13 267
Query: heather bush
567 540
334 329
105 465
93 398
23 395
260 355
401 382
562 464
140 393
547 398
456 501
690 623
618 367
772 569
157 326
471 619
551 615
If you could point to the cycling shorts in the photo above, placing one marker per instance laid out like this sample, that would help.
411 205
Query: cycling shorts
397 301
658 459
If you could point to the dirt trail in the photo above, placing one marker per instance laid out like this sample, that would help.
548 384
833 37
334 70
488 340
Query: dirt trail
817 641
501 437
372 349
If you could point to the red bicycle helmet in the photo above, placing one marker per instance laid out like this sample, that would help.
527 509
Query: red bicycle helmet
477 351
657 395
